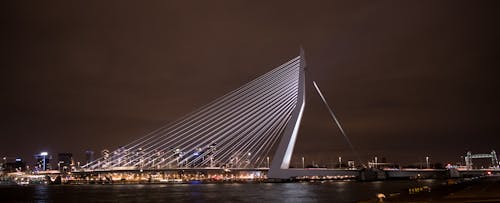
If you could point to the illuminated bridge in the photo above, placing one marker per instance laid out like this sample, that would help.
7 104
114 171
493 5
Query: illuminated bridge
253 127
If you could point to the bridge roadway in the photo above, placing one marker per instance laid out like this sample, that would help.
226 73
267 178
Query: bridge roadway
236 173
193 170
319 173
297 172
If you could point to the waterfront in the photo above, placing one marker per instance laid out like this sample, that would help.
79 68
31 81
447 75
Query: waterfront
320 191
243 101
477 189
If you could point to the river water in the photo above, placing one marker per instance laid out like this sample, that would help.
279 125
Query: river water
334 191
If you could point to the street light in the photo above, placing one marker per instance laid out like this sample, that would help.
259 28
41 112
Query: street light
427 161
303 163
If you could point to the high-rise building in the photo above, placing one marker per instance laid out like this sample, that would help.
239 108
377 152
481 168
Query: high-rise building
89 156
42 161
65 161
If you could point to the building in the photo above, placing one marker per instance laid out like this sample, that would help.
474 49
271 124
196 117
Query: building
89 156
14 165
65 161
42 161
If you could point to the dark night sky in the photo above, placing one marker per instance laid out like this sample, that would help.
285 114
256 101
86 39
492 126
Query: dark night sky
406 79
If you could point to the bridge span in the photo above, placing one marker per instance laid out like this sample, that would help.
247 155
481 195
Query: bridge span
236 134
365 174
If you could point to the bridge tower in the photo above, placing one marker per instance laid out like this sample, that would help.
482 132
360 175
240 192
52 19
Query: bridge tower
468 160
279 168
494 159
283 154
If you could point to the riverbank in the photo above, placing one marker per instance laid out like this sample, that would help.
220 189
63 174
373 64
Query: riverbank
480 189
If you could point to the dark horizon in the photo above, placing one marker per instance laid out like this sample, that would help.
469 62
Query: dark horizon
406 79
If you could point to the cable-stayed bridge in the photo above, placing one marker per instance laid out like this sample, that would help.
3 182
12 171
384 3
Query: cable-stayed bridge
254 126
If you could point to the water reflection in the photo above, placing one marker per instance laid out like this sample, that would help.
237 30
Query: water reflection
377 184
41 192
340 186
328 191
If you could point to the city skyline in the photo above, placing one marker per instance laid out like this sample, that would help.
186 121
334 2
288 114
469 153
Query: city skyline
404 84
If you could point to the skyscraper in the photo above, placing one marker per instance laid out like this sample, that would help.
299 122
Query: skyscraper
42 161
89 156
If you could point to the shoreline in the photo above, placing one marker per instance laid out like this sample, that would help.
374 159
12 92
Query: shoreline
477 189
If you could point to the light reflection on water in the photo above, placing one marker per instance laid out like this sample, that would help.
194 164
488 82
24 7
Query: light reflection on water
340 186
40 192
335 191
